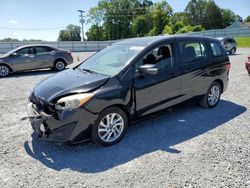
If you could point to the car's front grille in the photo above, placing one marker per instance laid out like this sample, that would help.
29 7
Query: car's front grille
64 132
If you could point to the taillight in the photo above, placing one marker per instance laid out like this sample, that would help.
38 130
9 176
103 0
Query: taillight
228 66
68 52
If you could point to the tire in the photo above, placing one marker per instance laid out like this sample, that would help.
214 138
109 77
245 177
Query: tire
4 70
212 97
59 65
107 134
232 51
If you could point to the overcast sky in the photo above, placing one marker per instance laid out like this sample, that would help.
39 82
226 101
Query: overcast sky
57 14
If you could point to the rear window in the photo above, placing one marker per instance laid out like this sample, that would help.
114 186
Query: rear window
43 49
228 40
216 49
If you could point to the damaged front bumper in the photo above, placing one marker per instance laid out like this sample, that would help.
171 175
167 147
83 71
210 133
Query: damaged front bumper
66 127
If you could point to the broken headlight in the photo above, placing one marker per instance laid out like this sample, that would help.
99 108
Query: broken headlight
73 101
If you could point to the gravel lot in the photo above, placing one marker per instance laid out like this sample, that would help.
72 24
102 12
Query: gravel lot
187 147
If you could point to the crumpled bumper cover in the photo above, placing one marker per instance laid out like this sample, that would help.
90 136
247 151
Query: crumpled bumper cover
67 130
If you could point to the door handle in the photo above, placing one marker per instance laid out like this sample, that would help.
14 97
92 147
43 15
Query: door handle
31 56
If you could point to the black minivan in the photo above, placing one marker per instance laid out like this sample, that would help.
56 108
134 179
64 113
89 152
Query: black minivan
97 99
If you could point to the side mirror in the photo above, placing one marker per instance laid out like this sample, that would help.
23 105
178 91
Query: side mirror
14 54
149 69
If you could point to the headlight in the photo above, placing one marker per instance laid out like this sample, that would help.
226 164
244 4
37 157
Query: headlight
73 101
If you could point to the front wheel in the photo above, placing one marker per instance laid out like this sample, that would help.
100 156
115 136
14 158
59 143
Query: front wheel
110 127
212 96
4 70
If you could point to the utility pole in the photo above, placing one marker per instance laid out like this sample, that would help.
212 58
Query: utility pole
82 21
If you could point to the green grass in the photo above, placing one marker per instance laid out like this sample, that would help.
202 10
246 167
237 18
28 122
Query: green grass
243 42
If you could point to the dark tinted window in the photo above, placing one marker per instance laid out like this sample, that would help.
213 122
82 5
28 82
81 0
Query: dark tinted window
40 50
193 51
226 41
216 49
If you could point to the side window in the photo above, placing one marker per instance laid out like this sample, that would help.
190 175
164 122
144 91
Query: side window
161 56
193 51
41 50
216 49
227 41
25 51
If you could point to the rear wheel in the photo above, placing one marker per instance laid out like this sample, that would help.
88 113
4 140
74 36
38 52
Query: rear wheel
59 65
232 51
4 70
212 96
110 127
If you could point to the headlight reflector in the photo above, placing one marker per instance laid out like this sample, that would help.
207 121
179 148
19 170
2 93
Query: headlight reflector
73 101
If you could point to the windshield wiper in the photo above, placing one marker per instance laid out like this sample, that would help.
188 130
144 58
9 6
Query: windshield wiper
88 70
91 71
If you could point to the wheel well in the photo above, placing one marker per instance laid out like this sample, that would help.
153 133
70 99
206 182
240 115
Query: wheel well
60 59
221 84
11 70
122 107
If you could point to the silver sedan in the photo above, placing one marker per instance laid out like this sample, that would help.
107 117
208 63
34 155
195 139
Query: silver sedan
32 57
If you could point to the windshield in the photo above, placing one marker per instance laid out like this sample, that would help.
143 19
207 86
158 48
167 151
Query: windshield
111 60
10 52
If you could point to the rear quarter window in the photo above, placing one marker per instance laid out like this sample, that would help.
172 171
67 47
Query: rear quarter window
216 49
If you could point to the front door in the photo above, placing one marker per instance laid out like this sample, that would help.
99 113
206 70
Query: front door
23 59
156 92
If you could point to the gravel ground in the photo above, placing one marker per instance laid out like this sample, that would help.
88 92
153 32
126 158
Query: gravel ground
186 147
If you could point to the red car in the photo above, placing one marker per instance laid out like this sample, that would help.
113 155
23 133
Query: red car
248 64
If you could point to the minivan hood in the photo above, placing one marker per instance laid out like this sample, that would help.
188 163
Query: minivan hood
67 82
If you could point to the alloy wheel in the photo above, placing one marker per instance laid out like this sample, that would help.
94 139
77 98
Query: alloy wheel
111 127
213 95
4 71
60 65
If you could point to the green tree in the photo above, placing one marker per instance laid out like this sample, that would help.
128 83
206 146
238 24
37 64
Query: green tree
228 17
167 30
116 16
160 15
71 33
177 26
95 33
140 26
195 11
179 16
186 29
213 16
247 19
198 28
9 40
